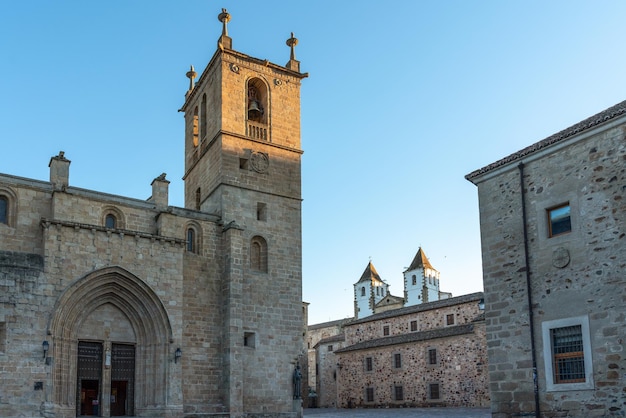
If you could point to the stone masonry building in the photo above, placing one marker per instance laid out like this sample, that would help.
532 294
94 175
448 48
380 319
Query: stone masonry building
115 306
553 230
431 352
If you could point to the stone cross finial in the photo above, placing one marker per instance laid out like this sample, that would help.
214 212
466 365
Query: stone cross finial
191 74
291 43
224 42
293 64
224 17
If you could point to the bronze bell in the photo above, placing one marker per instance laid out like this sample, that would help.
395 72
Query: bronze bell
254 111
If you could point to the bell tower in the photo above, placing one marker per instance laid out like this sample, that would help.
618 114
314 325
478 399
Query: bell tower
243 163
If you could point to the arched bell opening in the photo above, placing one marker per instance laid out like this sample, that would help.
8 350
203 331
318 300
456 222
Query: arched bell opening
257 106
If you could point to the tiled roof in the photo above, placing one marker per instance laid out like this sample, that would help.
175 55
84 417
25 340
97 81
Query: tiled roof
420 261
410 338
332 339
370 274
420 308
595 120
337 322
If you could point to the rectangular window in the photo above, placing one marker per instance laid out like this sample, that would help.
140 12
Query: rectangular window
397 360
567 350
450 319
249 339
413 326
330 348
569 358
369 364
432 356
261 211
433 391
3 337
398 393
559 220
386 330
369 394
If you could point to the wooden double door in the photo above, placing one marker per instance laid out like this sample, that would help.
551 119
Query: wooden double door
113 370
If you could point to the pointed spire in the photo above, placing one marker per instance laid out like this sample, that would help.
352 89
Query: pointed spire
370 274
293 64
420 261
224 41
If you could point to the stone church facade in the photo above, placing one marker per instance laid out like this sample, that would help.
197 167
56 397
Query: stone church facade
553 230
115 306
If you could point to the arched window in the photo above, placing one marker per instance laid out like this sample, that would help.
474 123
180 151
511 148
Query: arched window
363 291
258 254
414 280
257 109
110 221
4 210
198 198
195 127
191 240
203 121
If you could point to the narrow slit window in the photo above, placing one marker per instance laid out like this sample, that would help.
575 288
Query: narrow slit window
261 211
191 240
4 210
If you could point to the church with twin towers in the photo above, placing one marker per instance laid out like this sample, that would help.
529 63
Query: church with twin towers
421 285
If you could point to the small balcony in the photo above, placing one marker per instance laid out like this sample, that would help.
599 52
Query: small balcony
256 130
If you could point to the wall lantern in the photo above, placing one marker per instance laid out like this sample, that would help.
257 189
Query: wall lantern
46 347
177 355
481 304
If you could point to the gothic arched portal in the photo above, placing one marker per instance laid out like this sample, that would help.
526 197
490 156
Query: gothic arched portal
113 308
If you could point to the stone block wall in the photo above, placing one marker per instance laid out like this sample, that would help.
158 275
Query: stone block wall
460 373
430 316
579 274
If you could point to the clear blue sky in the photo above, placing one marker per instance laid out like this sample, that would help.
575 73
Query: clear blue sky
404 98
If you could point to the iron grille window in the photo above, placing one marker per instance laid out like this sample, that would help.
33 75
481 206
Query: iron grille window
369 394
369 364
568 355
432 356
413 326
398 393
397 360
433 391
386 330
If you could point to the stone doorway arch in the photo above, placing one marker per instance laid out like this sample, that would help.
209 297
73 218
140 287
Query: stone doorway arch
111 289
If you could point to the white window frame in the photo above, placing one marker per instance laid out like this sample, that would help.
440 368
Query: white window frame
548 357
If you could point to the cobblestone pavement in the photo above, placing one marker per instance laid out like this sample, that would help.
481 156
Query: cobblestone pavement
398 412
